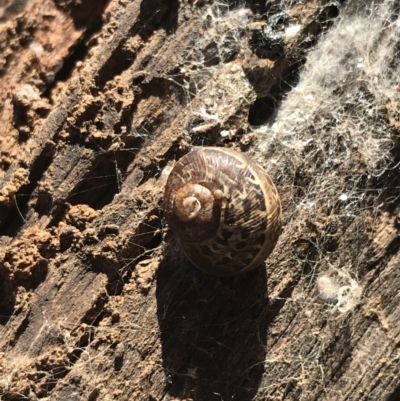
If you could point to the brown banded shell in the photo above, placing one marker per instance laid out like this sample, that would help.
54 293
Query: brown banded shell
224 210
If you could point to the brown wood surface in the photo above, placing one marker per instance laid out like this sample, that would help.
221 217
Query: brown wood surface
98 100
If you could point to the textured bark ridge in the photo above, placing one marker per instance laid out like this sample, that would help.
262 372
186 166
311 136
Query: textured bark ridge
98 100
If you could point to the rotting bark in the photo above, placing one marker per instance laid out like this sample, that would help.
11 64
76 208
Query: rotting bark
96 300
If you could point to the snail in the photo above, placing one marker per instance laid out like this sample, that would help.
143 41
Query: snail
224 210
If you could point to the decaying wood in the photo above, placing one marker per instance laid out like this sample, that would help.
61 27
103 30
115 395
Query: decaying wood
96 300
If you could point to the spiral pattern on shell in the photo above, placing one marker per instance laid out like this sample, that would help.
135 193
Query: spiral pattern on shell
224 210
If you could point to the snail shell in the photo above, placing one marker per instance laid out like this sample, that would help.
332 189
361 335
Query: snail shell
224 210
